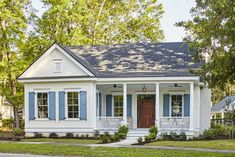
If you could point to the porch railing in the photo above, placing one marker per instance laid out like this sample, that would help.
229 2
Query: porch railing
112 122
174 123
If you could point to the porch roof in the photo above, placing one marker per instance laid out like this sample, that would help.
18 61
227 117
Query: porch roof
136 60
229 100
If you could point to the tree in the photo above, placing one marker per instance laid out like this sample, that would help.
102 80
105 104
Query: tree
212 32
13 26
96 22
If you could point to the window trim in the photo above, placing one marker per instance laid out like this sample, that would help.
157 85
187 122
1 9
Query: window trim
36 105
66 105
113 105
170 107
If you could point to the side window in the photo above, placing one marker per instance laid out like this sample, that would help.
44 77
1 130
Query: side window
42 105
176 106
118 106
73 104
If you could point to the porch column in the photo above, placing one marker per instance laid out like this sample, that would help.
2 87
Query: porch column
125 103
157 106
94 106
191 126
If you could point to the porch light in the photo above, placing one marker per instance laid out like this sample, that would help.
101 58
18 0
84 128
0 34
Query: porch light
144 89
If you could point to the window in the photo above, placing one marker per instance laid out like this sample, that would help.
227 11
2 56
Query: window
57 66
118 106
42 105
176 106
73 106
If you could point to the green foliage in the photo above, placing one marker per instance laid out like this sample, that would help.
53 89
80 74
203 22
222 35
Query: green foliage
69 135
182 136
38 135
96 134
105 137
122 131
140 140
147 139
53 135
8 123
173 135
209 134
18 132
212 31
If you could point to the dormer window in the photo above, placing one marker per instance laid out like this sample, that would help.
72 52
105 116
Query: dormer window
57 65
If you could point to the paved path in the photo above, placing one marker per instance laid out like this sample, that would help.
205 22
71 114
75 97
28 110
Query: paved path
125 145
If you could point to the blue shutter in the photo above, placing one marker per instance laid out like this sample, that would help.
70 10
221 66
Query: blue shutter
62 105
83 105
52 111
31 105
166 105
129 105
186 105
100 104
108 105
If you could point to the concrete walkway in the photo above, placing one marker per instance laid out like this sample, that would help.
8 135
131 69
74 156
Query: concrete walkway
125 145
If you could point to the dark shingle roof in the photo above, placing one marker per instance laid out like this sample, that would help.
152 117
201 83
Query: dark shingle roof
221 105
143 59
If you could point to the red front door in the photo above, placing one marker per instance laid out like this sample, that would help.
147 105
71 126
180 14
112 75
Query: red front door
146 113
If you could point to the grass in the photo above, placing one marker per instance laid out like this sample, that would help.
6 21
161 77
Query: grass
213 144
63 140
53 149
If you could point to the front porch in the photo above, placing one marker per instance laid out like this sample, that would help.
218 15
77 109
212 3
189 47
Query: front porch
167 105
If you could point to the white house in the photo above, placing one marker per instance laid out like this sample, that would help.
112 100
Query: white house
80 89
218 110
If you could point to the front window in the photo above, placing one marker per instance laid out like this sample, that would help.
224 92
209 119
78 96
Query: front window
42 103
176 105
118 106
73 106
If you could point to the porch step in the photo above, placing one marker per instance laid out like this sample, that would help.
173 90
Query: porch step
136 133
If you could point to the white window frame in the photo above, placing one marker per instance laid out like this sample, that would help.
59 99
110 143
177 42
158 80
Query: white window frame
113 105
36 105
170 115
57 62
66 105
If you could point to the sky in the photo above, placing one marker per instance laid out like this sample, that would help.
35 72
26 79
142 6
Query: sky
175 11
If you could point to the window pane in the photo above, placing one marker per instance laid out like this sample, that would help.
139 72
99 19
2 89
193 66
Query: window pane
42 102
176 105
73 102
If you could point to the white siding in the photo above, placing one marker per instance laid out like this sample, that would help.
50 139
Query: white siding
205 112
45 67
62 125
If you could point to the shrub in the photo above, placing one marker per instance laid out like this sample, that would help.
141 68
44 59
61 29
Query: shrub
165 136
69 135
105 137
116 136
152 136
18 132
96 134
209 134
140 140
53 135
173 135
147 139
82 136
122 131
87 136
8 123
153 130
38 135
182 136
219 130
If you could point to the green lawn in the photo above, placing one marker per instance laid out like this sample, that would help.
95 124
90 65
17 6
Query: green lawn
53 149
213 144
62 140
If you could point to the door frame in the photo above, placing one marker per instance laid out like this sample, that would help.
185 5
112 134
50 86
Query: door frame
138 101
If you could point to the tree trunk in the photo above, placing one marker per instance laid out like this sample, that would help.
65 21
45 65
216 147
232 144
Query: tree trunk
16 117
